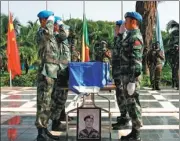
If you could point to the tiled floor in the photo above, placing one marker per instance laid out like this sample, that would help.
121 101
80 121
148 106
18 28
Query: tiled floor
160 114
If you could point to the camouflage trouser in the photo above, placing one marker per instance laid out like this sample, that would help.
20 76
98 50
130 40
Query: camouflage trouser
59 96
120 98
132 102
155 74
45 87
175 77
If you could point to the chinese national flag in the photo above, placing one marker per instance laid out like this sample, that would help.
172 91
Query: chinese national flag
12 53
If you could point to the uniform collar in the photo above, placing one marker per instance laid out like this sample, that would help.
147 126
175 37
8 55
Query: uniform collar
134 30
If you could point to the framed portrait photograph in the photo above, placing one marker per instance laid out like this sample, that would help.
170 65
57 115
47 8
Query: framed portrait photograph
88 124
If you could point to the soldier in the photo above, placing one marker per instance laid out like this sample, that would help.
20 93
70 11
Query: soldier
89 131
75 55
130 55
123 120
61 34
97 50
106 53
60 96
71 41
103 54
149 63
48 54
175 66
117 28
169 59
155 58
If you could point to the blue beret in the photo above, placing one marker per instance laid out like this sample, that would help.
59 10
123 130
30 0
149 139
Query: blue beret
89 116
45 14
120 22
135 15
57 18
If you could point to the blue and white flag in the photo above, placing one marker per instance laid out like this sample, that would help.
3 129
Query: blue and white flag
87 77
158 34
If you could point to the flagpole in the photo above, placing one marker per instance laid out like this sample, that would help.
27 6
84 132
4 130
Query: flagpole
46 5
10 73
63 17
121 10
82 50
83 7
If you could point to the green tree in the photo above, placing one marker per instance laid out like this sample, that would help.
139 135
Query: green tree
148 10
27 44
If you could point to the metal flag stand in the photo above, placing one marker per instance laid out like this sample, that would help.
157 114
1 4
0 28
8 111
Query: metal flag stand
91 104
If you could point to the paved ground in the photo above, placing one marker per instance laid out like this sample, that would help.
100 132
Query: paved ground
160 114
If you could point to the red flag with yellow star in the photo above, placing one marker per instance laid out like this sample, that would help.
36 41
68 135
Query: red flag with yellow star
12 53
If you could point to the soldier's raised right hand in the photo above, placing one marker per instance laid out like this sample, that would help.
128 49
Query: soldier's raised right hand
122 28
51 18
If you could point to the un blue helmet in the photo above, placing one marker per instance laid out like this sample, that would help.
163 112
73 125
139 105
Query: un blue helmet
134 15
120 22
45 14
57 19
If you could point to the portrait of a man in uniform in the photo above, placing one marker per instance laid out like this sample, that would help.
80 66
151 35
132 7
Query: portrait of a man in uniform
89 127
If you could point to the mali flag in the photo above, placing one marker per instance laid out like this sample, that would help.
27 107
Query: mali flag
12 53
85 41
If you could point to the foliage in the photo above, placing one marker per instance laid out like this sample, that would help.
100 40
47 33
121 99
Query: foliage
148 10
145 81
166 75
28 80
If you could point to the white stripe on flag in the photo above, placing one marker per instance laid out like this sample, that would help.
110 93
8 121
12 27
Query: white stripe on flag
87 89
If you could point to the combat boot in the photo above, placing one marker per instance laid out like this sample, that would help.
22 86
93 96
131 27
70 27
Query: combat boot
172 83
157 86
153 86
177 86
58 126
42 135
133 136
63 116
122 122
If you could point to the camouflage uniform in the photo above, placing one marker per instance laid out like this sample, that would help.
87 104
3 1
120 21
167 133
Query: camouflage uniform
75 56
115 56
47 73
116 76
155 58
85 134
60 96
175 66
130 68
99 51
107 56
123 120
72 41
170 53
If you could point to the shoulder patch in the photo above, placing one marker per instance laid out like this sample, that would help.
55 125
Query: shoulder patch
137 43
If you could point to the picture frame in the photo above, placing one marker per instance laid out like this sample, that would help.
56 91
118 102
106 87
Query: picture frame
88 124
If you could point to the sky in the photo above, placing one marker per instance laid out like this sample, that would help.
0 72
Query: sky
95 10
